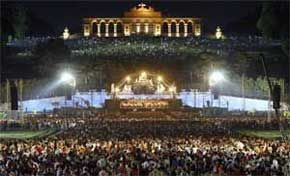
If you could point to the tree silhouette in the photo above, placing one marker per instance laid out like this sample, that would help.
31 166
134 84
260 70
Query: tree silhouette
274 22
19 22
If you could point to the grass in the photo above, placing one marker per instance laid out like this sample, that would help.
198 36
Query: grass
267 134
25 134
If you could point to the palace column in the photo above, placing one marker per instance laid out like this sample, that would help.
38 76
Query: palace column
115 29
169 29
99 29
185 29
138 28
146 28
177 29
107 30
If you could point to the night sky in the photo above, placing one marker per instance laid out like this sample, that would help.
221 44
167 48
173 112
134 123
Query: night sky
70 13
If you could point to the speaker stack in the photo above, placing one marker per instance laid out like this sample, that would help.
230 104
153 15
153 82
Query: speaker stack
13 95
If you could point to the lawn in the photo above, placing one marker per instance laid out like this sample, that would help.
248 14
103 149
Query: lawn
25 134
268 134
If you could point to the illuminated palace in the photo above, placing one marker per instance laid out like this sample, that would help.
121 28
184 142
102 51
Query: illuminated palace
142 19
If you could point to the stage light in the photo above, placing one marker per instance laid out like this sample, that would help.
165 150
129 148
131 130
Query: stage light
216 77
172 89
143 74
159 78
128 79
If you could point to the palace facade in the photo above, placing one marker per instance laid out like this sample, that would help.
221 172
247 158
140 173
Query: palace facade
142 19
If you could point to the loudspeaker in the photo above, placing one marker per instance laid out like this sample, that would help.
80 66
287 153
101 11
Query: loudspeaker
68 95
276 96
14 96
215 96
69 92
216 93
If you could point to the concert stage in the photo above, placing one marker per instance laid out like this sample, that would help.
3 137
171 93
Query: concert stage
145 91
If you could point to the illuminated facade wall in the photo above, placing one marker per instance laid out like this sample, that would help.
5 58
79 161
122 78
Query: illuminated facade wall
142 19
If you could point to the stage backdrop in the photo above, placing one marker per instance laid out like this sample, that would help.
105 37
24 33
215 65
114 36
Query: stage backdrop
188 98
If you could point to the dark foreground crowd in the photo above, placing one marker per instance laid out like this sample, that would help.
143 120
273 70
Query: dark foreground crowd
103 147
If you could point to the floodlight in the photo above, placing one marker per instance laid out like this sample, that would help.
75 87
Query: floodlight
216 77
67 77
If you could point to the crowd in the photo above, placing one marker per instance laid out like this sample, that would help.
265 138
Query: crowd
102 144
156 47
164 46
28 42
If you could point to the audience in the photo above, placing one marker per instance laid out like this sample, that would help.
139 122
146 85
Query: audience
142 143
155 47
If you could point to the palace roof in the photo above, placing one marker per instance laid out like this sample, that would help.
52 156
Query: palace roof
142 11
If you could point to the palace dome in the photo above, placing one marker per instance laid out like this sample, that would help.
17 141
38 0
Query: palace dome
142 11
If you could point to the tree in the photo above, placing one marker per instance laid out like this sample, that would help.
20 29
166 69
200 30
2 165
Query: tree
49 55
37 26
274 22
19 22
6 22
241 62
